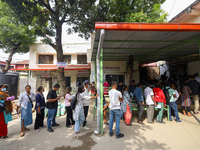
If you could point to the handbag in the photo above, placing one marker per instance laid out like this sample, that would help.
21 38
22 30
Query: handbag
30 100
2 107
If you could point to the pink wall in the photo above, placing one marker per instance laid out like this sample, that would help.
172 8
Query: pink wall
20 66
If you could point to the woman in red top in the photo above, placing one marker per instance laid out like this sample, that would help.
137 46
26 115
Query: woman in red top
161 101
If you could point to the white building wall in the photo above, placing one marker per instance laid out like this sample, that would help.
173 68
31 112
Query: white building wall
193 67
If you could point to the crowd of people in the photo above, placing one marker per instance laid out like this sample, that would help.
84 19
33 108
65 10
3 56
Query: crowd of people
152 96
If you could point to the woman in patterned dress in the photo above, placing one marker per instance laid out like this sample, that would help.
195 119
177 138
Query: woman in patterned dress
185 98
126 103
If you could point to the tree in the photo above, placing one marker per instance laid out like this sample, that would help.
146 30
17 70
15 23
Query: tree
15 36
79 14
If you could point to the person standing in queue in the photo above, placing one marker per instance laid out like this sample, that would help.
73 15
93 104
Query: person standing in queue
26 103
86 103
115 110
52 105
39 107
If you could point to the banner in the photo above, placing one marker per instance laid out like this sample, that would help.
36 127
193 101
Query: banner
61 64
82 72
45 74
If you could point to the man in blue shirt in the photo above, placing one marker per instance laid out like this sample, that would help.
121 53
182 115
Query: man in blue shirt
140 102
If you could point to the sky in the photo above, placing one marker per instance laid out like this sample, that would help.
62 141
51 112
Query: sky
172 7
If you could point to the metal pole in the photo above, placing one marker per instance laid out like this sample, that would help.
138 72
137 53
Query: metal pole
102 33
95 74
101 71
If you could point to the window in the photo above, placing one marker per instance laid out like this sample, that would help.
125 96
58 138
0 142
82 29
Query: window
67 59
82 59
45 59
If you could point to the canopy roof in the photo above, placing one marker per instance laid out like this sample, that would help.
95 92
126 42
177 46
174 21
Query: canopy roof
147 42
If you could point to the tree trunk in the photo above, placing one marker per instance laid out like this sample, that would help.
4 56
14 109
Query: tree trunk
129 71
7 67
59 50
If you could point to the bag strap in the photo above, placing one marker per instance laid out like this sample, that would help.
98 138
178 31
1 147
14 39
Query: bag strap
29 99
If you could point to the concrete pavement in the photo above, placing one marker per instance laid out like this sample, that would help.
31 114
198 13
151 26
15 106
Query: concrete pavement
170 136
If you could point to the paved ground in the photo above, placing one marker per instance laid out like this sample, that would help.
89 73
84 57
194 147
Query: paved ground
171 136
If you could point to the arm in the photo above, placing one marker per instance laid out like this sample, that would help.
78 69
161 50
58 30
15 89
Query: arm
152 96
53 100
141 96
120 96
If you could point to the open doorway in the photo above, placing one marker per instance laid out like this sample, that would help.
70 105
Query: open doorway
117 78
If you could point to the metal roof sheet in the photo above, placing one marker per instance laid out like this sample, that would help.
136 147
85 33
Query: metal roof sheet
147 42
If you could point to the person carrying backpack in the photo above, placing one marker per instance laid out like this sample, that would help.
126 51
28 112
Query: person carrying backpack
170 95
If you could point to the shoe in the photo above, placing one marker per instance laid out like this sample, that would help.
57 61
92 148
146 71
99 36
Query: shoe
53 125
129 124
140 122
106 123
119 136
110 134
86 128
88 123
50 130
37 130
43 126
161 122
196 113
171 120
180 121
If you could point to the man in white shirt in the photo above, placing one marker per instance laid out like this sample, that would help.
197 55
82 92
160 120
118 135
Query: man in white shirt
115 110
149 98
86 103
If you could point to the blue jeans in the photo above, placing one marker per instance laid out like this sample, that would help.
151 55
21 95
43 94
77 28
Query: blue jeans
116 113
79 122
172 105
51 117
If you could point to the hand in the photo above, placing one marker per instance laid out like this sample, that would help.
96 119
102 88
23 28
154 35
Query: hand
156 104
164 105
142 103
70 100
131 100
58 97
39 111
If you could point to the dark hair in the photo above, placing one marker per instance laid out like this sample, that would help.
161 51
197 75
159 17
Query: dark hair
132 81
80 88
147 84
139 84
28 86
123 89
114 83
182 84
196 74
7 86
192 77
56 85
93 82
40 88
1 85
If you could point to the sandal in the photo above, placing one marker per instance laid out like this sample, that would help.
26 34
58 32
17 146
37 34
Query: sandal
190 115
4 137
26 129
22 134
78 132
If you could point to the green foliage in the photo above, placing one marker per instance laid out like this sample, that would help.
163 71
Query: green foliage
135 11
13 31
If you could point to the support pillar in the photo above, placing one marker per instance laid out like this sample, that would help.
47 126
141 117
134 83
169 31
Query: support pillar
101 72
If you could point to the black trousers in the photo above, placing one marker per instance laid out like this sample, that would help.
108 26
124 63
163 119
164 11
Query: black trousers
86 108
69 117
140 110
39 120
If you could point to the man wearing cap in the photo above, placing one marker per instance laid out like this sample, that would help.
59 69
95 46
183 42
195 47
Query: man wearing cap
86 102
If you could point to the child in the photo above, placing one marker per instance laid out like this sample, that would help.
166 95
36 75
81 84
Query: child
69 117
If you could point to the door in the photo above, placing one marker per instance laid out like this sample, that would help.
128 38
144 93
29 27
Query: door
68 81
